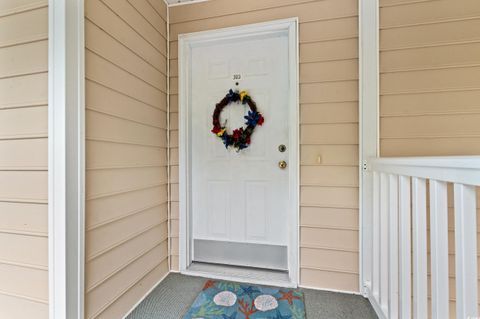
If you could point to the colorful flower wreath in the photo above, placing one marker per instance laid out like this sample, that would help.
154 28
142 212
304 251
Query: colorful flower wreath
240 138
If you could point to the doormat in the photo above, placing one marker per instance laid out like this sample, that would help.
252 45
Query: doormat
228 300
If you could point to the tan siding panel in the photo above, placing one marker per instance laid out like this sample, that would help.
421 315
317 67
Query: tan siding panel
328 259
330 50
136 292
152 16
340 197
453 125
110 181
111 235
113 155
430 34
430 146
105 100
34 27
160 7
430 57
329 175
105 127
24 250
329 134
23 159
343 91
430 103
13 307
107 209
431 80
24 59
27 186
329 154
329 280
340 218
107 20
329 71
24 282
123 281
310 11
107 47
101 268
221 8
24 218
14 6
12 90
126 122
343 112
24 122
23 153
105 72
137 22
427 12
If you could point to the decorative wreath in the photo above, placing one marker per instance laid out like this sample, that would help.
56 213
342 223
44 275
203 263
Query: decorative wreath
240 137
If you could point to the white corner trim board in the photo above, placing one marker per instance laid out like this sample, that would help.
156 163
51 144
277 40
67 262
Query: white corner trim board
66 162
368 130
290 26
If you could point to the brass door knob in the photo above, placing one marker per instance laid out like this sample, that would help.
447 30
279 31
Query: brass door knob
282 164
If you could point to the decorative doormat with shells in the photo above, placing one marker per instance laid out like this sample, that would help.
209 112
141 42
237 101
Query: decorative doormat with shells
228 300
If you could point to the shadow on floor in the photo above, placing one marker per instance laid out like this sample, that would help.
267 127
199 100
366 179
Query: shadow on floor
172 298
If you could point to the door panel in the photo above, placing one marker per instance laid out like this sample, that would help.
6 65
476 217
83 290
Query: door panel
240 198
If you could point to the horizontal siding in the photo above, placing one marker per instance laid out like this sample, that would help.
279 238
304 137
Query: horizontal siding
126 153
23 159
430 85
329 125
430 78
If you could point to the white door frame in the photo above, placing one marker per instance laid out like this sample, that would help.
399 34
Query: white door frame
185 41
66 158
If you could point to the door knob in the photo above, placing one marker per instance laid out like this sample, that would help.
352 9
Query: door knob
282 164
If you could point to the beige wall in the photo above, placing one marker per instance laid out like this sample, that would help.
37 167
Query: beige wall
430 77
430 85
126 150
329 125
23 159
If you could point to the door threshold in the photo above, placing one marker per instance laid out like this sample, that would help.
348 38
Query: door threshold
267 277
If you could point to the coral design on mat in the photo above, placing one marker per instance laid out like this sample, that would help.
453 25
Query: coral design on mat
228 300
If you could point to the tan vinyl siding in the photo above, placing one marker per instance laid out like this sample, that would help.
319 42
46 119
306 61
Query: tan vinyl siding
23 159
430 85
126 153
430 77
329 125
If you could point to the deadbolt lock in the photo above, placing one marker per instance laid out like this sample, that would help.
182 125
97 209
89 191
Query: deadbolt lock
282 148
282 164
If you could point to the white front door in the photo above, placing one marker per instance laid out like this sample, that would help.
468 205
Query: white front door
240 202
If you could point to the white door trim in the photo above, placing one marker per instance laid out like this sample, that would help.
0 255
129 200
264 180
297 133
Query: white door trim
368 130
184 44
66 158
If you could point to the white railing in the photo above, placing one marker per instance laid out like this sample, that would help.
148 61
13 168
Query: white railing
399 236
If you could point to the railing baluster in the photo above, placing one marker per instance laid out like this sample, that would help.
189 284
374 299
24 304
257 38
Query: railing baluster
439 248
419 200
393 246
384 190
376 236
466 251
404 209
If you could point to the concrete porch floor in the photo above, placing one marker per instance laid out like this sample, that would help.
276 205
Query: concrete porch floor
172 298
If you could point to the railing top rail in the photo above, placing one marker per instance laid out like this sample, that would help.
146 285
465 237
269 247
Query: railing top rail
455 169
